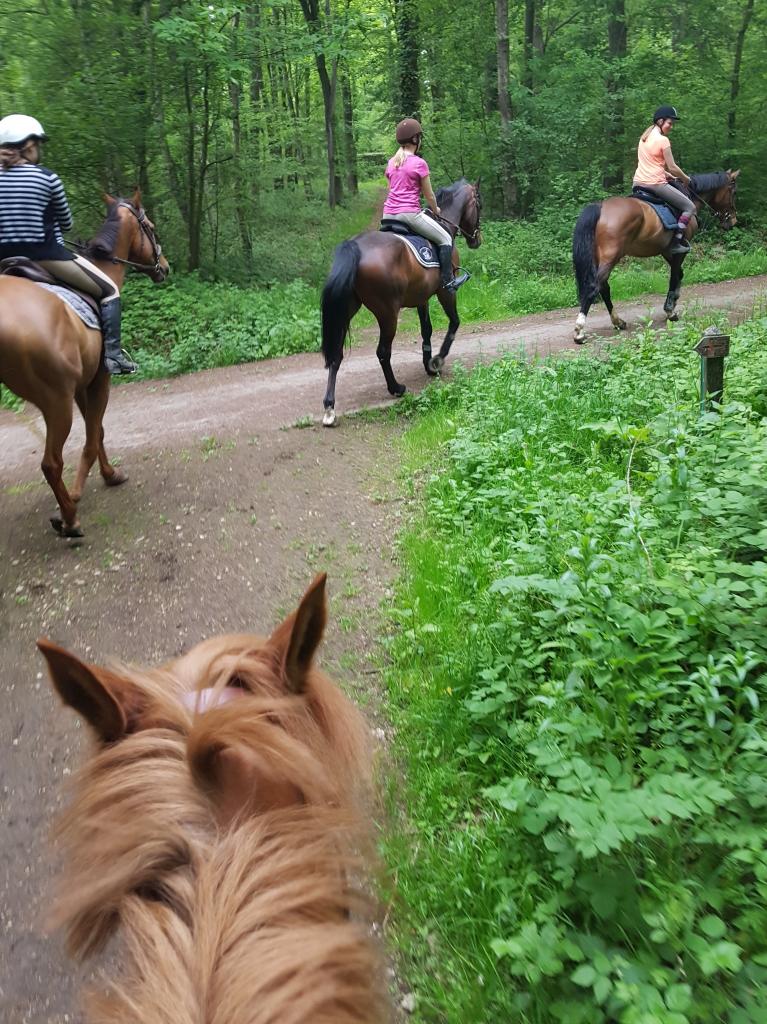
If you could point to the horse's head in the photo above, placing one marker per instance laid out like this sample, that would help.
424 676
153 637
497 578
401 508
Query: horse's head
470 213
246 708
136 242
719 196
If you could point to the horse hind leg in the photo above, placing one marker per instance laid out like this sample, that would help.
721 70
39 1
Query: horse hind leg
58 423
329 401
93 405
604 290
426 333
387 325
449 303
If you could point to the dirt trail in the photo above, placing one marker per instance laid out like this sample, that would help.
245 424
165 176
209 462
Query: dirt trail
258 397
226 517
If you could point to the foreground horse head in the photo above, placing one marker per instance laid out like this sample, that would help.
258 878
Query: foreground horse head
50 358
218 826
377 270
625 226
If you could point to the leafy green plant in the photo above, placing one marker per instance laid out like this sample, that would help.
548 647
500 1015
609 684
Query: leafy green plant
580 685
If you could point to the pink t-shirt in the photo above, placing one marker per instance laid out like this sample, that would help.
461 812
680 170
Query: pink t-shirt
405 185
651 159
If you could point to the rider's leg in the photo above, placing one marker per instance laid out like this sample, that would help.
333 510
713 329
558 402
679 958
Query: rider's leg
679 201
424 225
82 274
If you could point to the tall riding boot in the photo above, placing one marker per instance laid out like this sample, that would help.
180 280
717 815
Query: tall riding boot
450 283
114 359
679 243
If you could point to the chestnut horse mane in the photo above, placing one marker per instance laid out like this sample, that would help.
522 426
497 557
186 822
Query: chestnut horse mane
256 920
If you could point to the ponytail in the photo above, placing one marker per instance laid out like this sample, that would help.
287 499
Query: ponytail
647 131
10 156
400 157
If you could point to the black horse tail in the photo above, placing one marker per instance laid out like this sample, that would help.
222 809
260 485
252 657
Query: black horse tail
338 289
584 263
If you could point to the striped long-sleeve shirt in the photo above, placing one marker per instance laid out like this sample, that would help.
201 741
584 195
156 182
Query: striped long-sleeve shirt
33 212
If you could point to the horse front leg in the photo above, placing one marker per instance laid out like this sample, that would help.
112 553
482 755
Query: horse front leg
674 286
426 333
448 301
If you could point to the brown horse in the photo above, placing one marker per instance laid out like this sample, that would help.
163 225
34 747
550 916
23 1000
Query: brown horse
378 270
618 227
218 826
50 358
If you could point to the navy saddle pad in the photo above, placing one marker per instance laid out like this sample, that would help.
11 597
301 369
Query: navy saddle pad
669 217
424 250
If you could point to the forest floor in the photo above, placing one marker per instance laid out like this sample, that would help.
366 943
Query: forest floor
228 514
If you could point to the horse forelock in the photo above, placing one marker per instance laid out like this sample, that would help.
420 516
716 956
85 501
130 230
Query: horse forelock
145 849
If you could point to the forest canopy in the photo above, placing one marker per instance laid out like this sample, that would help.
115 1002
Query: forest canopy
224 113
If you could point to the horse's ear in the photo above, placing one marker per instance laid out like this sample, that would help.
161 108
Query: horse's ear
296 640
734 174
101 697
136 198
108 199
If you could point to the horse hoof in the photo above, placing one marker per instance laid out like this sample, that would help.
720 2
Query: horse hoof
397 391
579 339
620 325
65 530
117 478
436 364
672 317
329 419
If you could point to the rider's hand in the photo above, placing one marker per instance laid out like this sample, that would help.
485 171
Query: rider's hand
437 210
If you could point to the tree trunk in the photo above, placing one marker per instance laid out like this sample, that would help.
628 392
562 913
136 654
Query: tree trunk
527 51
406 24
617 48
235 96
328 82
350 146
508 184
748 12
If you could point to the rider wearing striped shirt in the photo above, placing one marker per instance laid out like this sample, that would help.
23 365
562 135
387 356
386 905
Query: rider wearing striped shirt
34 213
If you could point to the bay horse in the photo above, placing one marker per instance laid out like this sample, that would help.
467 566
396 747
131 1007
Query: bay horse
625 226
378 270
50 358
219 827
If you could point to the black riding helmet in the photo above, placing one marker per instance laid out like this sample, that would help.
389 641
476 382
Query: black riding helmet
666 113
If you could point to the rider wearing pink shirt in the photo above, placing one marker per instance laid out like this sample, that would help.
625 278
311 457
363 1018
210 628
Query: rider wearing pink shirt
408 176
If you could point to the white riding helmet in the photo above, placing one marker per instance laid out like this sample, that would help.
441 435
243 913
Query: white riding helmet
17 128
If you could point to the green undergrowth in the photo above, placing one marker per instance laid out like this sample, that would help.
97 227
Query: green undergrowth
579 688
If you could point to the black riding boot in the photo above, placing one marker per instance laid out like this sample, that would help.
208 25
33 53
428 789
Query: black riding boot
679 243
114 360
445 253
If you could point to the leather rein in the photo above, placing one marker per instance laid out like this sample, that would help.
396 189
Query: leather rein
145 230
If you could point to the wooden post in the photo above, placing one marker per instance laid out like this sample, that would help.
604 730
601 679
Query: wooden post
712 349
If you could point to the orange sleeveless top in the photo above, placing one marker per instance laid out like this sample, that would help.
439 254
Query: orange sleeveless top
651 159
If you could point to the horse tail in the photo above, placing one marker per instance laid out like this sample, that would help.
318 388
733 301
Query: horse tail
338 289
584 263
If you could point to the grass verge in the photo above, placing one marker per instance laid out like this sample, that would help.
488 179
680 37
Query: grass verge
579 687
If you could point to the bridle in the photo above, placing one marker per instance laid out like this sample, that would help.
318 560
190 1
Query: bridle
146 231
469 236
723 216
149 234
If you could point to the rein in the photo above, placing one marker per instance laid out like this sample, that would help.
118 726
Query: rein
145 230
469 236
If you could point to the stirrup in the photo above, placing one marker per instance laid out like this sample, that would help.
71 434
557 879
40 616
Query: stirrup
455 284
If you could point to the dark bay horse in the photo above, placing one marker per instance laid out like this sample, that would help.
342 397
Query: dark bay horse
50 358
220 828
378 270
618 227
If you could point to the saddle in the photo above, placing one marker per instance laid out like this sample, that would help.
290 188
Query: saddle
669 217
422 248
22 266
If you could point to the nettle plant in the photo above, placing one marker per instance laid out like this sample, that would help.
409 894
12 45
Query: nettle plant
609 563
